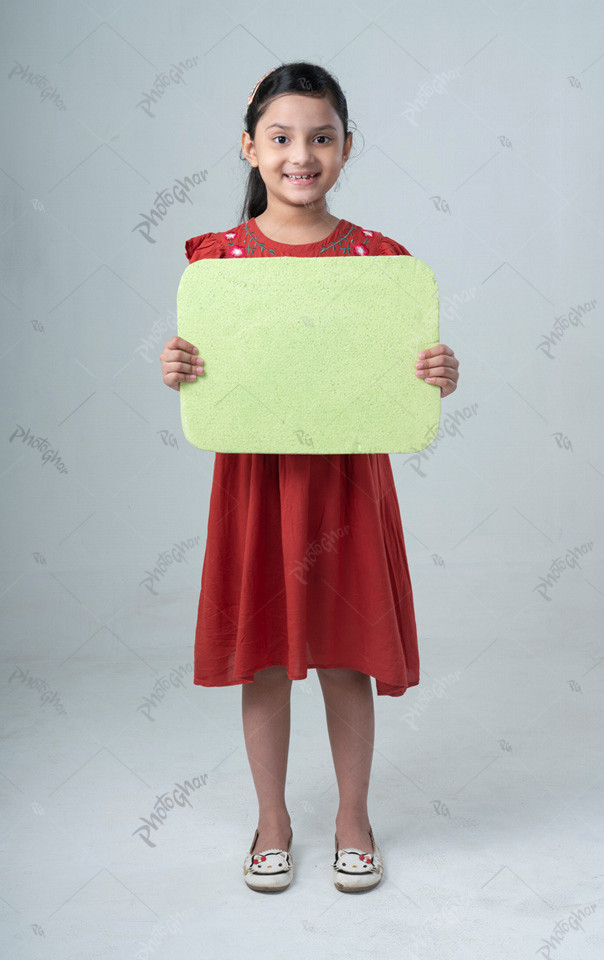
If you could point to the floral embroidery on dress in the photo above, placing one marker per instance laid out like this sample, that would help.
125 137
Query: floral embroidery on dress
255 243
352 241
250 244
343 243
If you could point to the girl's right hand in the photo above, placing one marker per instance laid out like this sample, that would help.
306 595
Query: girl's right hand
179 362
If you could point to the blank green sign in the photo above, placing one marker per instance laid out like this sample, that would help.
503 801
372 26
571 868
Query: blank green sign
309 354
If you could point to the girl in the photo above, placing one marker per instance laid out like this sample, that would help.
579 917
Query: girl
305 562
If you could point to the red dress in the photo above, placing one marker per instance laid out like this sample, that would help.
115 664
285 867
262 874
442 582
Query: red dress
305 562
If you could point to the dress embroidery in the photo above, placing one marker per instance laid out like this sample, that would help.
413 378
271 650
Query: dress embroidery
253 245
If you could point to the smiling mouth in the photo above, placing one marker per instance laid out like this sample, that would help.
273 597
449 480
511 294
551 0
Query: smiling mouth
304 178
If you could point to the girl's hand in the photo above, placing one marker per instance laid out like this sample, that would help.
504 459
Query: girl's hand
179 361
439 365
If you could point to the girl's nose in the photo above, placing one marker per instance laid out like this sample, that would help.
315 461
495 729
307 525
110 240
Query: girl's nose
300 155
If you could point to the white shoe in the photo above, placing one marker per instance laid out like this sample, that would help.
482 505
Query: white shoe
268 871
355 869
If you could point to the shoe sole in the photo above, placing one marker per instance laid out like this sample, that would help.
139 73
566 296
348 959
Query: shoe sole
259 889
345 889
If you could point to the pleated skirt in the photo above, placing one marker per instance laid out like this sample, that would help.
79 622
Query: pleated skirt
304 567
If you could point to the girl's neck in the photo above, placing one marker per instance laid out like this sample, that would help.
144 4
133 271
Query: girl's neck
288 232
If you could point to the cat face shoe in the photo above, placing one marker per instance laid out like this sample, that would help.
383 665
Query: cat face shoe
268 871
355 870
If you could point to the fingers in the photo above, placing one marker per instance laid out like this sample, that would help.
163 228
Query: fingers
446 386
179 361
440 354
446 383
439 367
177 343
437 361
440 348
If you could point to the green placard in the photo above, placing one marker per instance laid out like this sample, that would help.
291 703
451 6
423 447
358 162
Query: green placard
309 354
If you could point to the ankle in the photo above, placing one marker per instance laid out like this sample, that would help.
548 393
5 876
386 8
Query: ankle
274 821
354 818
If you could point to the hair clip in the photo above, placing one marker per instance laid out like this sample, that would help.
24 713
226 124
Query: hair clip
251 96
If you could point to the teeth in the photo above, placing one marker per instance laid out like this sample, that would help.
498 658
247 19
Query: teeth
294 177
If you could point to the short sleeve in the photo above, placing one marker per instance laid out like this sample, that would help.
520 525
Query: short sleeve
205 246
389 248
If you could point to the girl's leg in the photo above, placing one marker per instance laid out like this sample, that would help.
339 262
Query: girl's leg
350 721
266 725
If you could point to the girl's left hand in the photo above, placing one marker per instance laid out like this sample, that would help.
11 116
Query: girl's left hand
439 365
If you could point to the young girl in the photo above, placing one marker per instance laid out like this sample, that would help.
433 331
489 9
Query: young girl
305 562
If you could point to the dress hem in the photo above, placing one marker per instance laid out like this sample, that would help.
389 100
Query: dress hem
395 692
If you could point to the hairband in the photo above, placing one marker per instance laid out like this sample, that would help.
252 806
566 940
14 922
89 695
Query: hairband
251 96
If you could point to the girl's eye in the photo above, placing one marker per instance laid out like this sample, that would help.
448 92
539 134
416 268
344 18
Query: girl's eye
323 136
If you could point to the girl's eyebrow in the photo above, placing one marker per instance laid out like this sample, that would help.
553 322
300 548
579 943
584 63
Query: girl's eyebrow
325 126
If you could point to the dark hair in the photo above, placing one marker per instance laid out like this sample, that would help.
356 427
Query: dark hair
301 77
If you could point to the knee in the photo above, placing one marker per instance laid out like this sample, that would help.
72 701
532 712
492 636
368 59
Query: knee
272 675
340 674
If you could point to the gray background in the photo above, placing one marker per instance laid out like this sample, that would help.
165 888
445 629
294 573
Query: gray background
479 148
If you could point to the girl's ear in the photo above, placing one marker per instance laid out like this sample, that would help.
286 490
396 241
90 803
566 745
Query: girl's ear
347 146
247 146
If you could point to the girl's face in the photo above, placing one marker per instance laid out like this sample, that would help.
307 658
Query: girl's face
298 134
